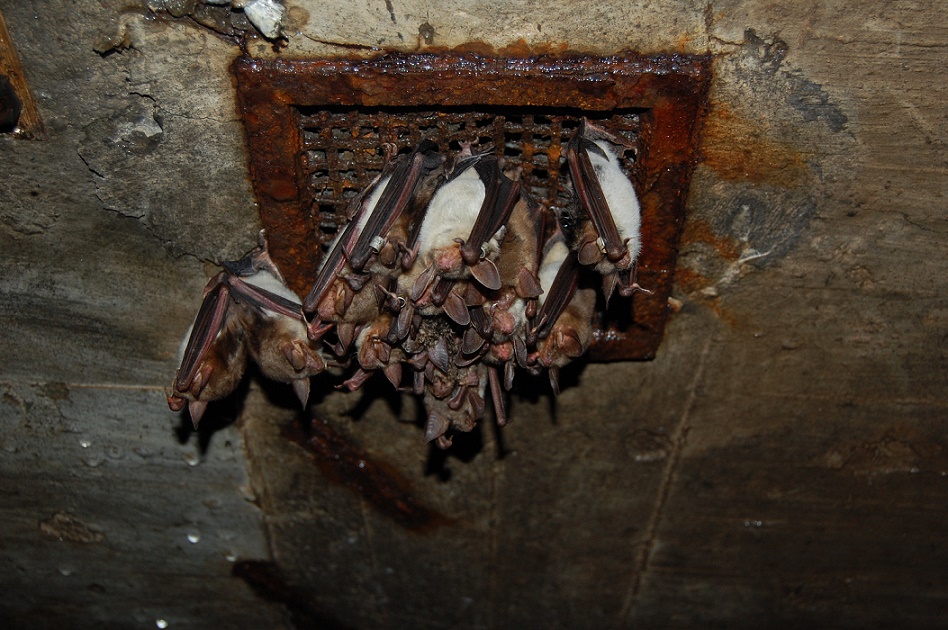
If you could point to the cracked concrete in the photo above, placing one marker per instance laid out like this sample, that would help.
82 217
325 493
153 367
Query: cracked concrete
782 459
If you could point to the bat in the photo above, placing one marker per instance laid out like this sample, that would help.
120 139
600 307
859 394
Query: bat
497 335
456 404
440 279
460 235
610 242
247 310
562 329
374 352
339 296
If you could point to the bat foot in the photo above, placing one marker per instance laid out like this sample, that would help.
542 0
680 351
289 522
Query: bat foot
628 290
317 328
356 380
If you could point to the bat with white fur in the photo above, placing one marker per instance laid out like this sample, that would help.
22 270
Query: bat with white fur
610 241
247 309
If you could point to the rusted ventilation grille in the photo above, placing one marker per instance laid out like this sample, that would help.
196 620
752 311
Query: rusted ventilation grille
315 128
342 149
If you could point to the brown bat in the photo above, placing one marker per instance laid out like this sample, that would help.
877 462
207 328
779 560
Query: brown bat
497 335
562 330
346 289
456 404
460 235
247 308
610 241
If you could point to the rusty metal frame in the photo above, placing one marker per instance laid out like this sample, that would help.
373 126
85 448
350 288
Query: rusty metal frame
668 92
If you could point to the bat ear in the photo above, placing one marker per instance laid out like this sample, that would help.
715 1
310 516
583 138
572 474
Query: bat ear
487 274
301 387
609 286
439 356
528 285
472 341
393 372
435 428
197 408
456 309
554 373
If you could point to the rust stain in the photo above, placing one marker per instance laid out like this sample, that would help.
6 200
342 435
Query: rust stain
737 149
477 47
382 486
30 125
521 48
698 231
691 281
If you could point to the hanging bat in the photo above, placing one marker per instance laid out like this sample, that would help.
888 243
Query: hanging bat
247 309
610 241
497 335
460 235
374 352
456 406
562 330
364 257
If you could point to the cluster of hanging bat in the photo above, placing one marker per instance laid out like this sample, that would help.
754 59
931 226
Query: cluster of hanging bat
445 278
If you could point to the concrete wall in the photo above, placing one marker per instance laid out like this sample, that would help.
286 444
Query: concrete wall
784 457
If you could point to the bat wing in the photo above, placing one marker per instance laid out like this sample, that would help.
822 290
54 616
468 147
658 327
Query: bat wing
207 325
501 194
399 191
263 300
591 197
334 263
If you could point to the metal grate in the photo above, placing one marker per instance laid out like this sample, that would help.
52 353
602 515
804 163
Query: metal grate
315 128
341 149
